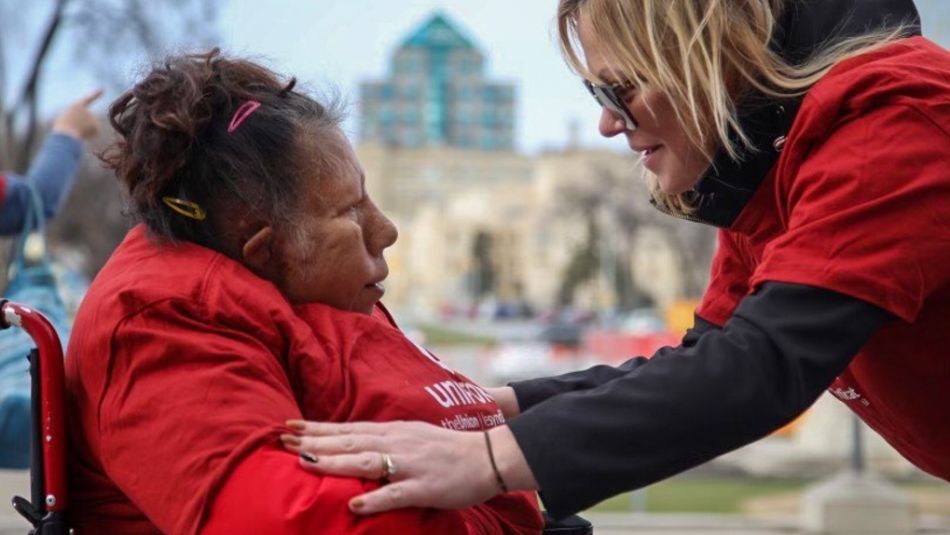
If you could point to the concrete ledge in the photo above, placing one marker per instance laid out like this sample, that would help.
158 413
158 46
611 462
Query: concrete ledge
857 504
692 524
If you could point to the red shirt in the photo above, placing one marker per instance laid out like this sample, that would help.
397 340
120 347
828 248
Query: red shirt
859 203
181 370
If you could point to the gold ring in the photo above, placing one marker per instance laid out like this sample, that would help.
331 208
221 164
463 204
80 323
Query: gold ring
389 467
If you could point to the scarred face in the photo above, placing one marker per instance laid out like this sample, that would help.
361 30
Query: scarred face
334 253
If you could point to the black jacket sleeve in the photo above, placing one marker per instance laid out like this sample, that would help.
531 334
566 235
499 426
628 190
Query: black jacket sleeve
782 347
533 391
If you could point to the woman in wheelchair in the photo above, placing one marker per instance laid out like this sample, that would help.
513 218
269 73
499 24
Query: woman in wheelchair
247 296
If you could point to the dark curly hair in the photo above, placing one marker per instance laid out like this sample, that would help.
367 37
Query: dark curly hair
173 140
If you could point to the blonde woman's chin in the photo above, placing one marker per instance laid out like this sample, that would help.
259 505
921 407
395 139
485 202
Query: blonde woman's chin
670 184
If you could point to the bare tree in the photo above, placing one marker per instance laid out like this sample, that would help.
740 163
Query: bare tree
110 25
602 205
101 36
582 204
93 221
695 244
616 200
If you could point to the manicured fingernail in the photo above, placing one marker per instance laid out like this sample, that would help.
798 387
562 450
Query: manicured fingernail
356 504
291 440
308 457
296 425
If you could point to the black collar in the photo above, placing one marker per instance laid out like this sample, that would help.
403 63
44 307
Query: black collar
727 186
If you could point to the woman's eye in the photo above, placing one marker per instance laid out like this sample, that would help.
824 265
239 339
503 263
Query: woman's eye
355 210
625 90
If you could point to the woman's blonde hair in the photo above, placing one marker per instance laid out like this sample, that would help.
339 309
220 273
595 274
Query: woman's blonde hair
703 55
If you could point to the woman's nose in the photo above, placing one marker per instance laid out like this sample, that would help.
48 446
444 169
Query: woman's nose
384 232
611 124
389 233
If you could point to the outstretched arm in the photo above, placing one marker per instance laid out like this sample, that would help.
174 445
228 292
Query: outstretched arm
782 348
51 174
531 392
53 170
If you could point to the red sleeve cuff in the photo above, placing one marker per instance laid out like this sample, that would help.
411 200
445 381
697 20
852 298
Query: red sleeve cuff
269 492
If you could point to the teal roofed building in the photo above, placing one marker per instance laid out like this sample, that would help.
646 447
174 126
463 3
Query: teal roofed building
437 95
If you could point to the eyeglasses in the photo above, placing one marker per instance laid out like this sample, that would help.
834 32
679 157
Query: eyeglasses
608 96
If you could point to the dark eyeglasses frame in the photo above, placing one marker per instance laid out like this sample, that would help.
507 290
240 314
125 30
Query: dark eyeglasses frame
608 96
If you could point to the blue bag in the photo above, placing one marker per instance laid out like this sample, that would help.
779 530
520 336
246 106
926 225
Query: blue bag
30 282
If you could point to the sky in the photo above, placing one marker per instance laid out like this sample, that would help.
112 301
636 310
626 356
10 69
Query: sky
340 43
332 45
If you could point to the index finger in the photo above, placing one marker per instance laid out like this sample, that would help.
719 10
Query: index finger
326 428
91 97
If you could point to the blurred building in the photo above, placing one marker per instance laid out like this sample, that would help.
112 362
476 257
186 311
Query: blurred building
482 223
437 95
505 227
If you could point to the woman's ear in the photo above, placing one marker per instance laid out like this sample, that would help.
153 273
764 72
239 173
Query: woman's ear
259 253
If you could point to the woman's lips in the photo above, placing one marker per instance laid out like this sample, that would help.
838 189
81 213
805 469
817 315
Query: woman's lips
648 156
376 287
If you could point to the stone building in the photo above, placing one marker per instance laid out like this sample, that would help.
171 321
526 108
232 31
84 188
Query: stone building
437 95
481 222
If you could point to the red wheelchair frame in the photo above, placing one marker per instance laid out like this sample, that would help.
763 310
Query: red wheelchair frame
49 497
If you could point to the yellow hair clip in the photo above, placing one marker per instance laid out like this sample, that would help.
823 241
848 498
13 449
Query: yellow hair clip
185 208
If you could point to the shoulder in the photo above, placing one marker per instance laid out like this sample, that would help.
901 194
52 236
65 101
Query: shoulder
885 111
862 184
912 73
144 278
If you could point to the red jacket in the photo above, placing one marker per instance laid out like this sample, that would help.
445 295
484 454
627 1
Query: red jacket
859 203
183 367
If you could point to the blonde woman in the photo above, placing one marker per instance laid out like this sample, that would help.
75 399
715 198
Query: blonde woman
816 135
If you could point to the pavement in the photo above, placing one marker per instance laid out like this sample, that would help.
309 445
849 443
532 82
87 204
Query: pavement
18 482
687 524
13 482
692 524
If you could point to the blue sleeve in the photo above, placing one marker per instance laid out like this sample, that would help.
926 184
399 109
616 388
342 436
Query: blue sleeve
51 173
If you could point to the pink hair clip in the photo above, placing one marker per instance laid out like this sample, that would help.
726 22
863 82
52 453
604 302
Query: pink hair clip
243 112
